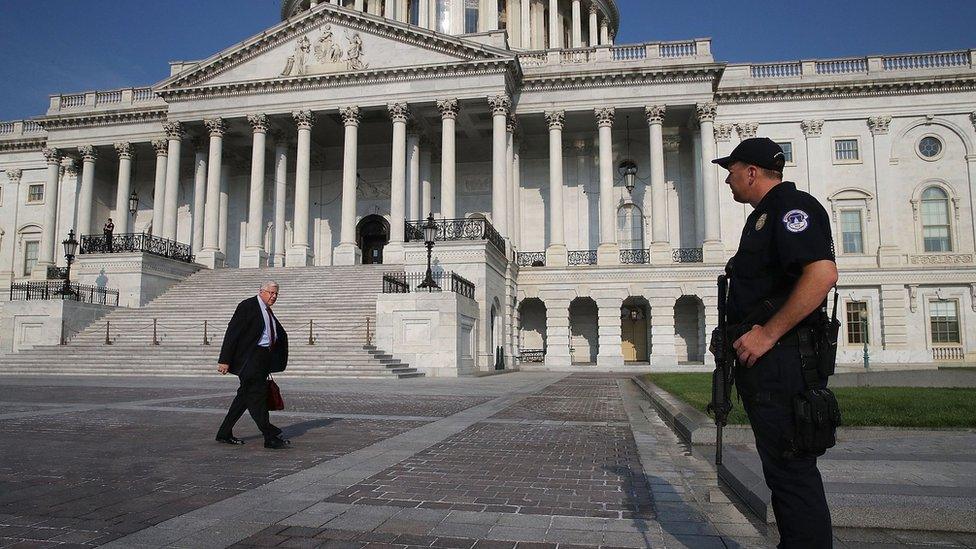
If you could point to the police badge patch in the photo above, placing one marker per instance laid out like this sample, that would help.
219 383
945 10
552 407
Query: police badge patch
761 222
796 221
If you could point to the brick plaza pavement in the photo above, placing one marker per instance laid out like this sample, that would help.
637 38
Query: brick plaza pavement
513 461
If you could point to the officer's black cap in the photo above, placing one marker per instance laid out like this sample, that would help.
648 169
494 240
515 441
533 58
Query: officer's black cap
757 151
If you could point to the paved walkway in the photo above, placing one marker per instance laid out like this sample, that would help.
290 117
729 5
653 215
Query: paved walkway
518 460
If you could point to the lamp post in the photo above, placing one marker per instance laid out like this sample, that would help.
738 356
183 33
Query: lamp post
430 233
133 203
70 247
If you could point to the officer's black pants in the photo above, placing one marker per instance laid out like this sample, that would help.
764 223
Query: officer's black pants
252 395
797 489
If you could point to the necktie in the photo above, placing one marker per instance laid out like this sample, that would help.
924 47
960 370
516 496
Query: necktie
271 318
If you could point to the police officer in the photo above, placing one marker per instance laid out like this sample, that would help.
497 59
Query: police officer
785 255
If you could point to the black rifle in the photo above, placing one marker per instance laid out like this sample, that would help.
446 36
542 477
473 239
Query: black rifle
724 375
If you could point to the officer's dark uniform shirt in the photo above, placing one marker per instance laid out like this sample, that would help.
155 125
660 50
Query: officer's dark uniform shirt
788 230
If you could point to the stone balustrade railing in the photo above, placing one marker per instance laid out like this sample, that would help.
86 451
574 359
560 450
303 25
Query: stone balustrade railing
858 65
100 99
622 53
14 129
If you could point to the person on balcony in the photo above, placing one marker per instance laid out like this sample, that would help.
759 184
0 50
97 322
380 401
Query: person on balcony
107 230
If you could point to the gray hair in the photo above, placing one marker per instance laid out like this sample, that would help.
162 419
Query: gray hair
269 284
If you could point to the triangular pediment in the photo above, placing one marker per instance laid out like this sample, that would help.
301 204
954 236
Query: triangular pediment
330 40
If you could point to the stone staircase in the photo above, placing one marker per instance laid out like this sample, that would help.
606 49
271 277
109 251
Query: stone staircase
337 300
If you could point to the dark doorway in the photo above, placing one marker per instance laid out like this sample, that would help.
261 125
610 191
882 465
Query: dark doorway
372 235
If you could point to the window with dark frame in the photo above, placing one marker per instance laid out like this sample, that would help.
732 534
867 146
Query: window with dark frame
852 237
846 150
944 321
35 193
31 248
787 150
857 316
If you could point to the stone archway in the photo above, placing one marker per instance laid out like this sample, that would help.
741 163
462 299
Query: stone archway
689 329
584 331
532 330
372 235
635 326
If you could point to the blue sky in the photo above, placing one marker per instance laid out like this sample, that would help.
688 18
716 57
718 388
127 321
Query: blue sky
54 46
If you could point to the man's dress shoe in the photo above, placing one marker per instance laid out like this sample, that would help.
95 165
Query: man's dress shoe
230 440
275 444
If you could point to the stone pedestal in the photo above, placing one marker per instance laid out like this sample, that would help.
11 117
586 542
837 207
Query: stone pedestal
608 254
344 254
662 330
394 254
611 354
557 333
557 256
25 324
212 259
254 259
889 256
139 277
713 252
661 254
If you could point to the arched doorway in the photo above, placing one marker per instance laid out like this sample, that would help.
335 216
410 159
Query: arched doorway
532 330
634 335
689 329
372 235
584 332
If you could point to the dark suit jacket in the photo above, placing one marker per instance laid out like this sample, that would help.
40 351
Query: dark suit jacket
243 334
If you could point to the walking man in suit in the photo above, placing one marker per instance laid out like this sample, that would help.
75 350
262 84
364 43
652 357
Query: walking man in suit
255 345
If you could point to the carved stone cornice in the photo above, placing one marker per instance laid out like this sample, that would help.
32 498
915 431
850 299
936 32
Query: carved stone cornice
723 132
706 111
161 146
399 111
215 126
499 104
112 118
449 108
174 131
125 150
747 130
613 77
14 175
812 128
604 116
351 116
258 122
52 156
655 113
556 119
88 153
672 143
842 90
879 124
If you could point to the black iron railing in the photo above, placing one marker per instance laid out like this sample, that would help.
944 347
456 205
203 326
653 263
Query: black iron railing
635 257
457 229
532 355
687 255
531 259
405 283
57 273
136 242
52 290
582 257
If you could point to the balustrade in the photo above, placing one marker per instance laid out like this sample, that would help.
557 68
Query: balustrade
531 259
635 257
842 66
457 229
582 257
136 242
776 70
57 290
679 49
687 255
926 61
405 283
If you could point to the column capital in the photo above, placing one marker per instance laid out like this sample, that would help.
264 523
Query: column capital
706 111
655 113
399 111
811 128
449 107
593 9
604 116
556 119
88 153
511 123
304 119
723 132
259 122
161 147
879 124
14 175
215 126
174 130
351 116
125 150
52 156
500 104
672 143
747 130
70 166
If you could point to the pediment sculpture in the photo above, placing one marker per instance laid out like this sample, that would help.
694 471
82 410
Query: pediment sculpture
326 56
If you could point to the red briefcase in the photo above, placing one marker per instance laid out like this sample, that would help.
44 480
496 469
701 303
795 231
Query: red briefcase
275 402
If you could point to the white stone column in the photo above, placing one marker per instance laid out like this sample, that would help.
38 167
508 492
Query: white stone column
281 194
500 105
161 146
609 251
577 24
299 255
86 193
211 255
358 5
888 251
556 253
699 190
348 253
660 249
393 252
174 133
199 193
255 255
555 32
604 32
426 208
423 16
413 173
712 248
125 151
662 329
389 9
525 14
449 111
610 353
49 241
517 189
222 219
509 176
490 15
13 176
594 28
557 331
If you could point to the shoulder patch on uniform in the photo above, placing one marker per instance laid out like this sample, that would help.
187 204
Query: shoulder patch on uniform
796 221
761 222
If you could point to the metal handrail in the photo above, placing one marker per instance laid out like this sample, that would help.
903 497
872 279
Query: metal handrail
405 283
58 290
475 228
136 242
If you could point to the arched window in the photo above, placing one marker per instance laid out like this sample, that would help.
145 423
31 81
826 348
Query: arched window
630 227
935 221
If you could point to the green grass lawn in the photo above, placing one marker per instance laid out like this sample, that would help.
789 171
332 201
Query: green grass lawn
860 406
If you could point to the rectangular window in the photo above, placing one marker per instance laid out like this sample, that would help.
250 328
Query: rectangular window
845 150
470 16
502 14
857 322
944 319
35 193
787 150
850 230
414 9
935 226
30 255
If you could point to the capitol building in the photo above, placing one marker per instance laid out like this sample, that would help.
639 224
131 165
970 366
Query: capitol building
568 176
